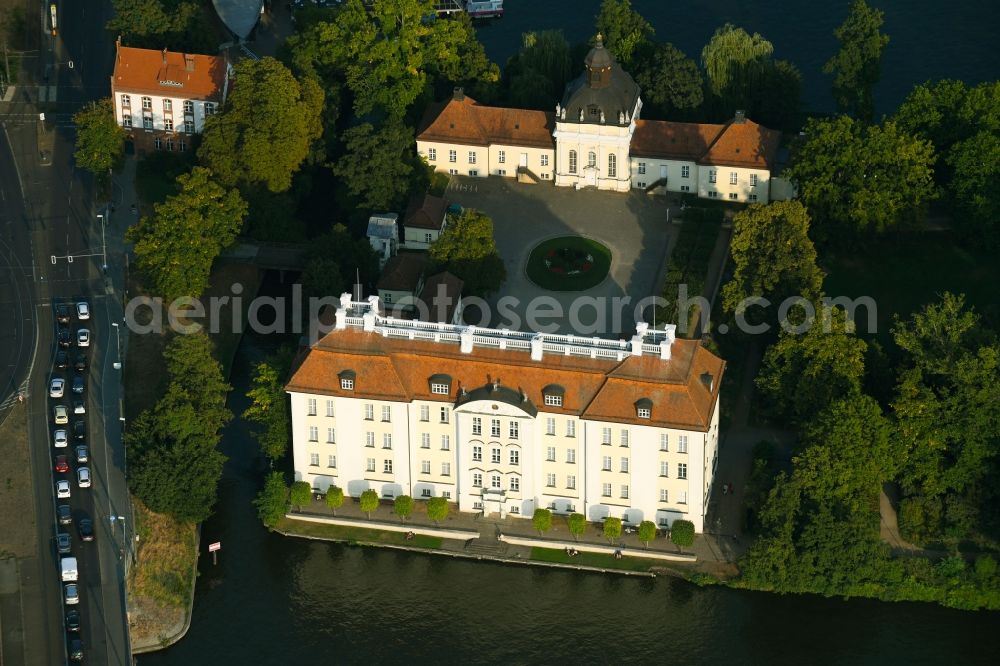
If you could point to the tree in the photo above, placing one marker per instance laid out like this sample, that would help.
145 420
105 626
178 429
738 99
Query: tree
855 178
773 256
377 163
612 528
368 502
437 509
670 80
175 247
300 494
467 248
647 532
577 523
804 374
388 53
268 406
542 520
266 130
735 63
100 142
334 498
148 18
539 73
976 165
682 534
402 506
272 502
623 29
857 66
336 257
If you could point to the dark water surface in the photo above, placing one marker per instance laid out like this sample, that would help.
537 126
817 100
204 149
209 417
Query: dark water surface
273 600
929 39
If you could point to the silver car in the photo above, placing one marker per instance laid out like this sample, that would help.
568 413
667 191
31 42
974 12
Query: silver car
82 455
72 594
83 477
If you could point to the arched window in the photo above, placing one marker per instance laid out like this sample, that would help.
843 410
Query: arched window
612 166
572 161
591 159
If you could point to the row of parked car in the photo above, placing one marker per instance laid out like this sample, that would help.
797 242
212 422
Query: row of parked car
71 331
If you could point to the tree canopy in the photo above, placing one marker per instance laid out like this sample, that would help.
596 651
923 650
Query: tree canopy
538 74
402 506
857 66
773 255
334 259
179 25
861 179
175 247
467 248
542 520
670 80
623 29
100 142
300 494
437 509
266 130
268 406
272 501
368 502
377 163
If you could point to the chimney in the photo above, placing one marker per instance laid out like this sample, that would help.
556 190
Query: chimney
164 55
458 94
536 348
189 62
740 118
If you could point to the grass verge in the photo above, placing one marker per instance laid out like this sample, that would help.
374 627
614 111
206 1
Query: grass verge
17 511
566 254
356 534
597 560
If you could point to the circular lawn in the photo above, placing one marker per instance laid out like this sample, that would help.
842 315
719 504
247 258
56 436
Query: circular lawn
568 263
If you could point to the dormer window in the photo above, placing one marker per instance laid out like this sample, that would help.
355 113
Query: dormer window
553 395
440 384
644 408
347 378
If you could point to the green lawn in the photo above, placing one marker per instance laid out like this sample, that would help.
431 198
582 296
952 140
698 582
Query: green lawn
598 560
902 275
356 534
575 246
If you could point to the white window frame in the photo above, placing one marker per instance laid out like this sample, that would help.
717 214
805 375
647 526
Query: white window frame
685 171
501 157
550 426
550 454
644 412
313 434
439 389
425 413
472 157
682 471
605 490
682 444
642 168
314 460
425 466
514 457
571 428
515 484
330 411
552 400
572 161
452 156
432 154
495 455
311 407
477 453
734 178
425 440
387 466
347 384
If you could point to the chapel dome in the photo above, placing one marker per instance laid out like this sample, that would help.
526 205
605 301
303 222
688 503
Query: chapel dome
603 94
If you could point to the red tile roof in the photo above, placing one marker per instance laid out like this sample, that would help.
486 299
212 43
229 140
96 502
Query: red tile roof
743 144
169 74
465 121
600 389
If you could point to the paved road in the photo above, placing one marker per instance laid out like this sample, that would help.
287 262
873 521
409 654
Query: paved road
49 212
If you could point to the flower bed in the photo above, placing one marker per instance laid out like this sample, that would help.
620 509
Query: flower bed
568 263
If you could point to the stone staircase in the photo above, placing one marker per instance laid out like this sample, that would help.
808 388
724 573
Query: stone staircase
486 547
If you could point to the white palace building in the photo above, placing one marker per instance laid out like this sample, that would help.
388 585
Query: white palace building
503 422
597 138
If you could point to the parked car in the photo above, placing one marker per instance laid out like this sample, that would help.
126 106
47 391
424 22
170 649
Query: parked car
59 438
62 313
62 359
83 338
60 415
64 543
73 620
71 594
65 514
80 364
82 455
62 489
83 477
79 431
64 337
62 464
78 385
75 649
86 529
79 407
57 387
82 311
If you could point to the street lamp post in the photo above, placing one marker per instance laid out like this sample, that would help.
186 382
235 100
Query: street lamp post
125 543
118 347
104 247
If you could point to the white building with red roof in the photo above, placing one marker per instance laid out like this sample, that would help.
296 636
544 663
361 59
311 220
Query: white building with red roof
503 422
161 97
597 138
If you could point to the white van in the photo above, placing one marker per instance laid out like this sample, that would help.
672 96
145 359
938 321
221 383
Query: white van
70 573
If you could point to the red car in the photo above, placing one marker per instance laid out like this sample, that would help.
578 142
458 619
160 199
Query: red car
62 465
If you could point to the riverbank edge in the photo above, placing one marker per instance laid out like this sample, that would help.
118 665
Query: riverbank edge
188 608
468 556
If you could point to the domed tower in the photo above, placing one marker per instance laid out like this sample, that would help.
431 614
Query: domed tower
594 124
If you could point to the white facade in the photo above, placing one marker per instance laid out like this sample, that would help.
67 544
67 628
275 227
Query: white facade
493 452
139 111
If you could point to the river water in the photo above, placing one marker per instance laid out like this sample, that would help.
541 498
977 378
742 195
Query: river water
274 600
